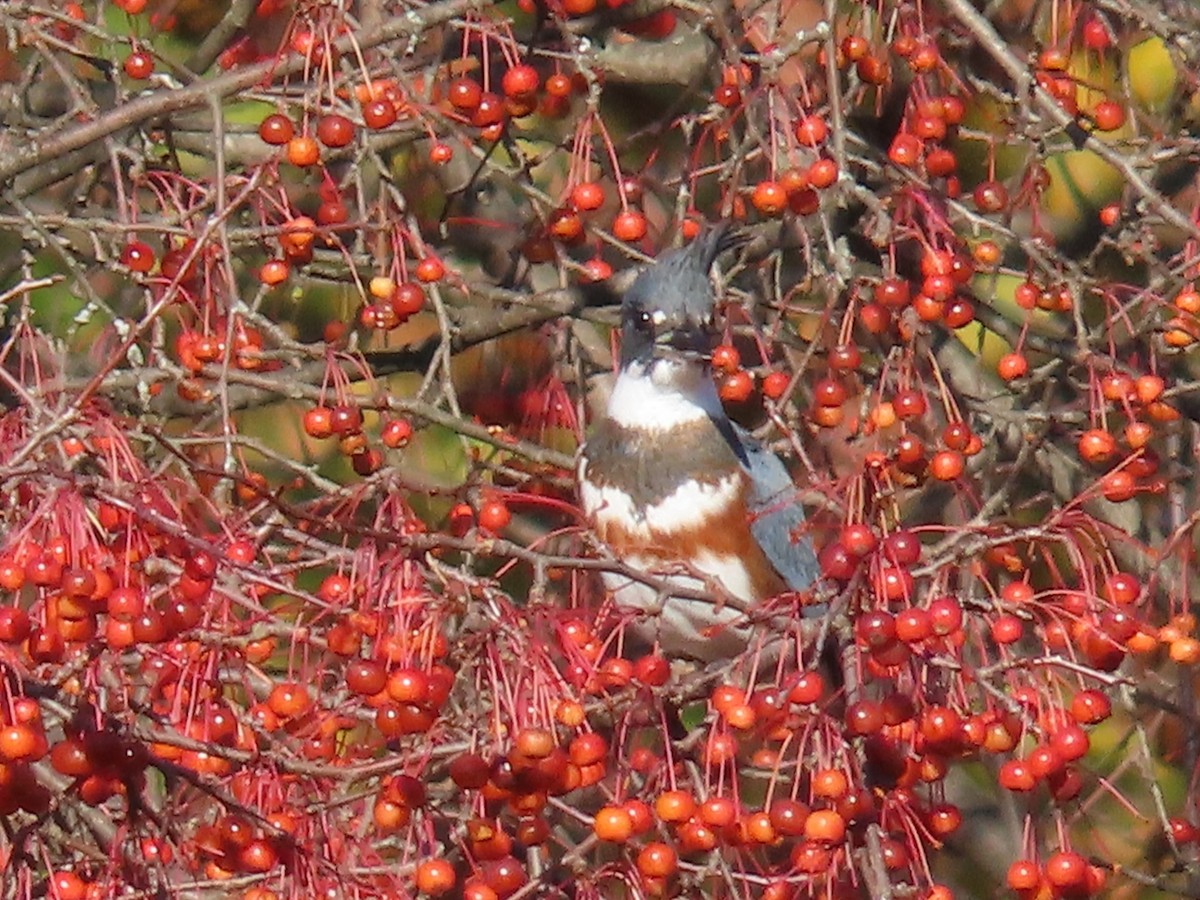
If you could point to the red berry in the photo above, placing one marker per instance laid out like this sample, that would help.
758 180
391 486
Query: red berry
566 226
929 128
990 196
657 860
520 81
859 539
913 625
737 387
1016 775
289 699
1118 486
1070 741
335 130
775 384
273 272
809 687
139 65
396 433
892 293
675 805
137 257
1121 587
725 358
823 173
940 162
1097 446
902 547
587 196
829 392
946 615
1012 366
864 717
825 826
494 516
727 95
855 47
430 269
1055 59
66 885
1096 35
1007 629
652 670
812 130
657 26
435 877
769 198
837 562
1090 706
1066 870
379 114
464 94
905 150
629 226
595 270
1109 115
1023 875
559 85
489 111
947 465
875 629
1183 832
845 358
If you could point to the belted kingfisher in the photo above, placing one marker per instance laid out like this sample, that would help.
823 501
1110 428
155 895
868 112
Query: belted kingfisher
666 479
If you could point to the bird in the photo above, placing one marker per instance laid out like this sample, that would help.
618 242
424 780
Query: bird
672 485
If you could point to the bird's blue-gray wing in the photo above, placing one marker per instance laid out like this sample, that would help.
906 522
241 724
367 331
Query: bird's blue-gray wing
777 521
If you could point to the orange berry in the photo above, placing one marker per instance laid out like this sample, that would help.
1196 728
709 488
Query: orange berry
629 226
825 825
675 806
613 823
883 415
435 877
1185 651
303 151
535 743
1012 366
1148 388
657 860
769 198
830 784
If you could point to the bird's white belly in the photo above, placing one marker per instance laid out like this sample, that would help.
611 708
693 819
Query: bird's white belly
702 629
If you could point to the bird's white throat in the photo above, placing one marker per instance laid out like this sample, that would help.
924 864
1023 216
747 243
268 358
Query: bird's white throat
663 394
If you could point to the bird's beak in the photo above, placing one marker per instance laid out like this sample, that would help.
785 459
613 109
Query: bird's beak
689 337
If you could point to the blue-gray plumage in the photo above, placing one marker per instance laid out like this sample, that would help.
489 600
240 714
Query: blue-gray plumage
777 521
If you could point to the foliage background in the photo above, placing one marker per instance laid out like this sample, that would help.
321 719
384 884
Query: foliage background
965 315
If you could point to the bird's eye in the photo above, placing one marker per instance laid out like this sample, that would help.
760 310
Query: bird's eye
640 319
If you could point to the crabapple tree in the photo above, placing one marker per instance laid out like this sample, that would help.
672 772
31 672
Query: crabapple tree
306 305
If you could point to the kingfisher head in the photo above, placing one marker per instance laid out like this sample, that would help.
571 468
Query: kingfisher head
667 336
667 314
